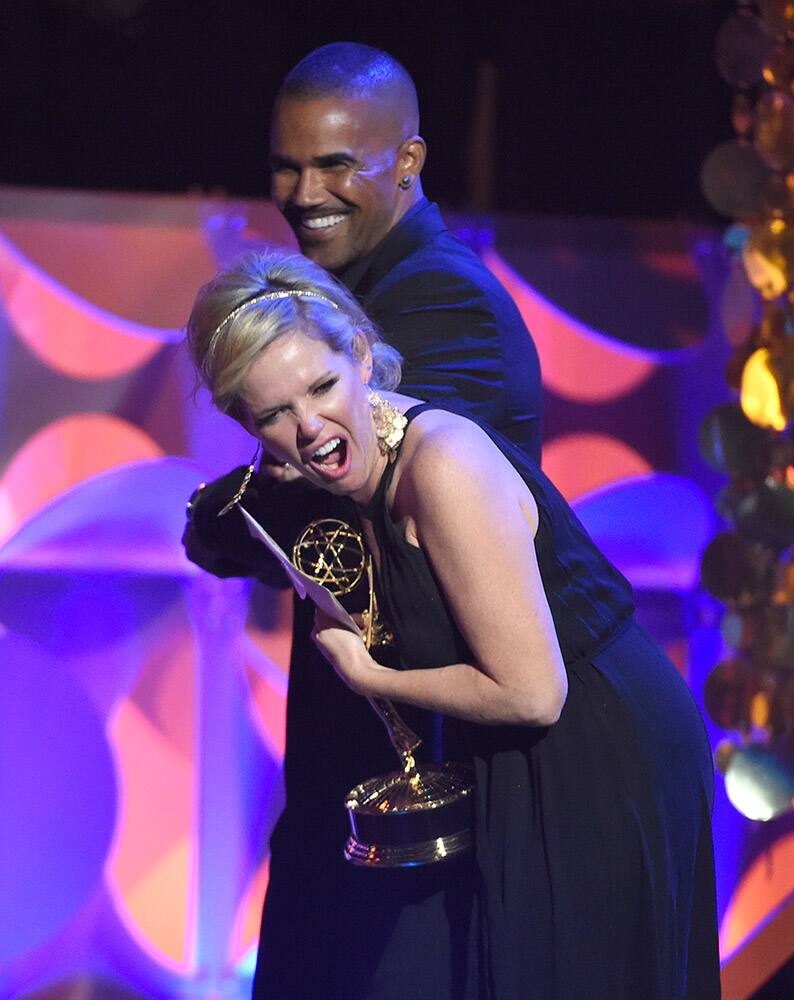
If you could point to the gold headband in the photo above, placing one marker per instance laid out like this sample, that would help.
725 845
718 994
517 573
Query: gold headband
281 293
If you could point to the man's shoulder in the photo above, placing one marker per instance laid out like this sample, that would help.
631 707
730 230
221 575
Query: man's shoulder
442 268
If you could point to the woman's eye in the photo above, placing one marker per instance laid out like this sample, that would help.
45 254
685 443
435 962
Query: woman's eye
325 386
267 419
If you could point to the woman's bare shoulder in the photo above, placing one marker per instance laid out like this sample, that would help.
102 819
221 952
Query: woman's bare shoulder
453 461
446 441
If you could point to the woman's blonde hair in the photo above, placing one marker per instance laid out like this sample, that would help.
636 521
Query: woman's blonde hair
225 334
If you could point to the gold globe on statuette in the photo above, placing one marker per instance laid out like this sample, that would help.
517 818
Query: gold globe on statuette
332 553
422 813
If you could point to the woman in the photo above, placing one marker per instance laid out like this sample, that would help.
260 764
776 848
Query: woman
592 874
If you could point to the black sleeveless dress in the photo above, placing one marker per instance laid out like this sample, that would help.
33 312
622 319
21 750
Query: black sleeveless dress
592 875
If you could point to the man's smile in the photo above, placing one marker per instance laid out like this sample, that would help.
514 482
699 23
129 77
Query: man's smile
322 221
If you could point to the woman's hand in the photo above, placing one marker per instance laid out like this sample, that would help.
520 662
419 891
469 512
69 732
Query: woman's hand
346 653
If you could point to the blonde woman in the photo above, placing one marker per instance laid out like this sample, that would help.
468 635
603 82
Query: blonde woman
592 871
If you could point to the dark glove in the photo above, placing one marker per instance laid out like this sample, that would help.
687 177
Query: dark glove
222 545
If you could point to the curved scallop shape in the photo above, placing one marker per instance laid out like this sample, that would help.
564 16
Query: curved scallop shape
270 708
266 645
127 519
764 886
151 868
57 797
579 463
245 934
577 362
65 331
139 257
65 453
653 528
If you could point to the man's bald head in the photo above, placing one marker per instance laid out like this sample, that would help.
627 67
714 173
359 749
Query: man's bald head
345 153
349 71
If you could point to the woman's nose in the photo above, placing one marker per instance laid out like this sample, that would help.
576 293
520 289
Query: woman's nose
309 426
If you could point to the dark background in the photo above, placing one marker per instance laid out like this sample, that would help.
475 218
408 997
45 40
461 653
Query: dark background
603 108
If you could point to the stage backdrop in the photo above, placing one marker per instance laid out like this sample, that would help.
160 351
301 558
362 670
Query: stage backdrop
142 701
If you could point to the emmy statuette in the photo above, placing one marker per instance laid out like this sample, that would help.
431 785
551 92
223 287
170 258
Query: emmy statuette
422 813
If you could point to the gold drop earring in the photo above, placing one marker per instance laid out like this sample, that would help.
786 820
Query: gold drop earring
390 424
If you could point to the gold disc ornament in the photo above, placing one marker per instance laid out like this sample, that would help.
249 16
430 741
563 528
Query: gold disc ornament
774 130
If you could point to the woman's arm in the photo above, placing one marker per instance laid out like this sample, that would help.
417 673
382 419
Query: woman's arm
475 520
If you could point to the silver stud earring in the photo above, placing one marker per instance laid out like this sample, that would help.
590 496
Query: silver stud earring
406 182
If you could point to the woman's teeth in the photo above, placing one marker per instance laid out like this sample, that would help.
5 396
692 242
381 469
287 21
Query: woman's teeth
326 449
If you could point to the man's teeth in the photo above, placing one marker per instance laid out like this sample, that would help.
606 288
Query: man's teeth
323 222
327 448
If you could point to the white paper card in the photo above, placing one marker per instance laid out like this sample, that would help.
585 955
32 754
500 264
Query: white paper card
302 583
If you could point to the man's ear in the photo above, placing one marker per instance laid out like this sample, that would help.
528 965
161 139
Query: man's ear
411 157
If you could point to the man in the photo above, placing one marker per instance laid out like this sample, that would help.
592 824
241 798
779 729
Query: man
346 158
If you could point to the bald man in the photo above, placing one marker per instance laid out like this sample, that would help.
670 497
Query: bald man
346 159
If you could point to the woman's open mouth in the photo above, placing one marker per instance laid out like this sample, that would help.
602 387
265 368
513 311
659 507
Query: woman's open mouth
331 459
